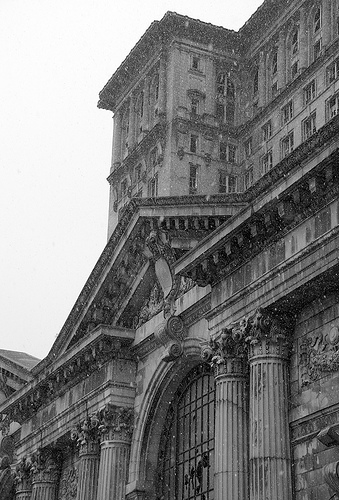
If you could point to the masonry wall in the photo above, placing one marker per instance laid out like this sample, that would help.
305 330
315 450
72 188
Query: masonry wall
314 403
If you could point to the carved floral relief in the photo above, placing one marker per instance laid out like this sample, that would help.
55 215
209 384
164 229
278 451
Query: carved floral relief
319 355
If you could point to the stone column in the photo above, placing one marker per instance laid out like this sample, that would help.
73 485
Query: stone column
87 438
46 474
303 39
162 85
326 22
116 427
23 480
282 60
262 80
145 118
231 417
270 457
131 121
117 148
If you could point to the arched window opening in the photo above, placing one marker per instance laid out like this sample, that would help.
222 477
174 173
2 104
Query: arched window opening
186 456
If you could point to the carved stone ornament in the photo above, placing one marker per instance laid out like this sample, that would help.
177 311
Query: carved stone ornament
86 435
331 476
171 334
319 355
227 355
6 479
46 465
5 425
23 474
116 422
69 484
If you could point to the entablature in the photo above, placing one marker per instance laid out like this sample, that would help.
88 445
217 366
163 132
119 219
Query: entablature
292 194
73 366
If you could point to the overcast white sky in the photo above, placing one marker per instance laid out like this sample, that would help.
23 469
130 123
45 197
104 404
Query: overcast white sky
55 57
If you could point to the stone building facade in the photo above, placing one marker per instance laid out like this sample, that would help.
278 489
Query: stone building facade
201 358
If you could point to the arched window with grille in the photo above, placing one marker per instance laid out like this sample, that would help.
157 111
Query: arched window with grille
186 456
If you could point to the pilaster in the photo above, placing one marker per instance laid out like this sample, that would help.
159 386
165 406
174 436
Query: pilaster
162 84
282 60
326 22
303 42
116 427
270 457
231 417
116 150
262 80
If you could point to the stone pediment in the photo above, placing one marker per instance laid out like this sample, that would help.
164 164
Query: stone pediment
135 270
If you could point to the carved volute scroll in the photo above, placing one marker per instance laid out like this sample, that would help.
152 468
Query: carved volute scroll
171 334
331 476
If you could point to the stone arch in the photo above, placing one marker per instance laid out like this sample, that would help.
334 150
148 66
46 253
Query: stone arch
151 418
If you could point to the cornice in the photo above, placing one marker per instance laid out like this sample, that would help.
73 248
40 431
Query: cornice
104 344
273 221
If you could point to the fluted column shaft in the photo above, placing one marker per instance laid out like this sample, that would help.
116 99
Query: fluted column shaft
114 460
231 432
44 490
88 471
23 494
116 427
270 457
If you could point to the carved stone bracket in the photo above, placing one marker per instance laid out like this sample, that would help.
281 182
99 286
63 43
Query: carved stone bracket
171 334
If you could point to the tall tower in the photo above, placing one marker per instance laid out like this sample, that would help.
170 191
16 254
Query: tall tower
176 104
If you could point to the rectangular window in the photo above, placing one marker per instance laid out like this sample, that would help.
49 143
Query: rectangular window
230 113
287 112
317 49
295 42
266 162
248 181
232 184
195 63
256 82
332 71
193 180
317 20
123 188
193 143
222 182
137 174
267 131
274 89
248 147
332 106
227 183
153 157
309 126
275 63
220 112
223 151
153 187
309 92
287 144
232 153
295 69
194 106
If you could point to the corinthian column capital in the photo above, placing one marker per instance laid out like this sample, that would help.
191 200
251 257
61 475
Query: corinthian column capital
116 423
86 435
228 353
267 334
